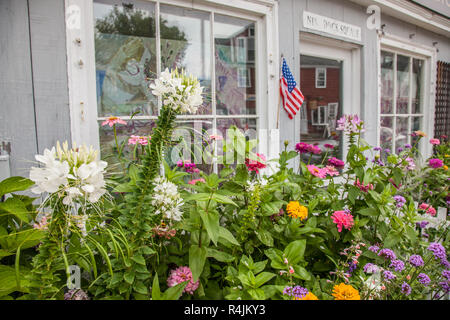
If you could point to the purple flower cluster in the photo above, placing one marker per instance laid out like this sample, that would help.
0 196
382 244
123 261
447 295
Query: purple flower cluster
297 292
388 275
446 274
423 279
76 294
416 260
397 265
439 253
370 268
422 224
352 266
406 289
374 248
387 253
400 201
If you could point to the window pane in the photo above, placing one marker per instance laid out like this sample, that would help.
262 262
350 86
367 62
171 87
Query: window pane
248 126
125 57
387 81
402 84
417 85
133 127
386 127
185 43
234 51
193 143
401 132
416 124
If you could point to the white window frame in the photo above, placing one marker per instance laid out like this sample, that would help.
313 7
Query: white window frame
82 79
395 44
318 71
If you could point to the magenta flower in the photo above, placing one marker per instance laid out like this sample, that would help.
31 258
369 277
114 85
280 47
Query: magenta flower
343 219
336 162
435 163
180 275
328 146
112 121
331 171
254 165
315 171
301 147
362 187
435 141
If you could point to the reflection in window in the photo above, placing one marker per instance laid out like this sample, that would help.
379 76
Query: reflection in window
322 107
402 78
234 45
185 43
125 57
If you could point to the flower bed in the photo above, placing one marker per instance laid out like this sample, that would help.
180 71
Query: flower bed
145 229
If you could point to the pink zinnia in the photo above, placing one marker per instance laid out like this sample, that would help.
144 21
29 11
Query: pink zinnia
435 141
253 165
112 121
180 275
336 162
332 171
342 219
315 171
431 211
138 139
302 147
329 146
194 181
436 163
423 206
362 187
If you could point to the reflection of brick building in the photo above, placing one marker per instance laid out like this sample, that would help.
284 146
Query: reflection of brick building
318 94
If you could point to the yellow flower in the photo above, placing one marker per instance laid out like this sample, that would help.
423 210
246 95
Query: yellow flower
445 168
345 292
309 296
296 210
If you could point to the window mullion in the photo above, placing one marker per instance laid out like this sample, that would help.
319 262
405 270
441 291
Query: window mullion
410 97
213 88
158 49
394 104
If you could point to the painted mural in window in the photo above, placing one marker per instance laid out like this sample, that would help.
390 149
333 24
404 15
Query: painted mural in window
126 63
401 99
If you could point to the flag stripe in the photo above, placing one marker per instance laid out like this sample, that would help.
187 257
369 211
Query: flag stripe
292 98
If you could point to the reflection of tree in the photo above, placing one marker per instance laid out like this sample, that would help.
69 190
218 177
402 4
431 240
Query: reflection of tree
126 56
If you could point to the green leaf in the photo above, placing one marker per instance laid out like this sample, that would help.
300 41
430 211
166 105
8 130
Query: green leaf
129 276
301 273
219 255
197 258
223 199
265 237
139 287
368 212
257 294
138 258
295 250
263 277
411 234
124 187
174 293
147 250
225 234
392 238
13 184
156 291
353 194
15 207
211 223
133 172
270 208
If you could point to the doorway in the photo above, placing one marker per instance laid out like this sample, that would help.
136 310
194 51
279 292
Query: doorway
330 81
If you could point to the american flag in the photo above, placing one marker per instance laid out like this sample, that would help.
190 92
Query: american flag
291 96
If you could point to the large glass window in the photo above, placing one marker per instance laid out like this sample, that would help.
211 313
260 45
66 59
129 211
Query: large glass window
401 99
218 49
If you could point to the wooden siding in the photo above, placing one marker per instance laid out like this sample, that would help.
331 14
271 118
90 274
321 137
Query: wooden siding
34 109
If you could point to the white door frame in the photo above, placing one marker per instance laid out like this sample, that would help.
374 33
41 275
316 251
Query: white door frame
350 55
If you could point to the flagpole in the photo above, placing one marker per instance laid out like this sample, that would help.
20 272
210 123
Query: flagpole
279 96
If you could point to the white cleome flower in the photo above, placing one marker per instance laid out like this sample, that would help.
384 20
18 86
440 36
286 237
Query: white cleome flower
167 200
73 173
180 92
